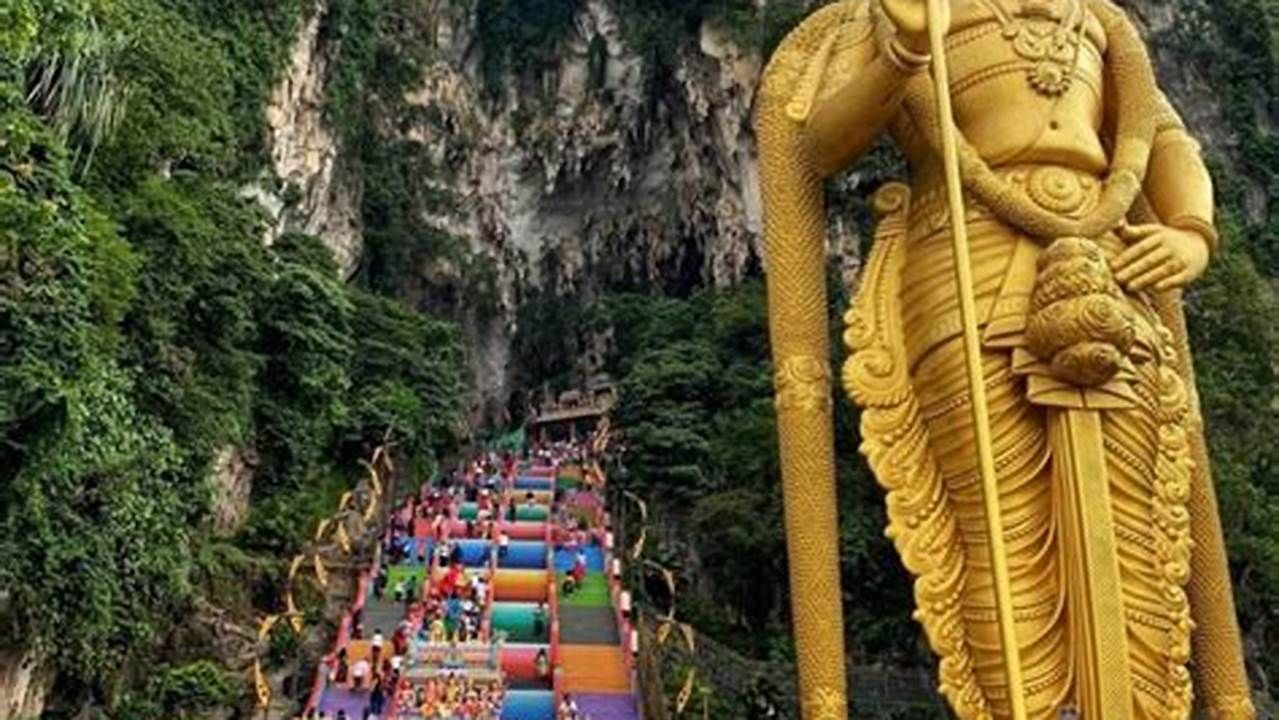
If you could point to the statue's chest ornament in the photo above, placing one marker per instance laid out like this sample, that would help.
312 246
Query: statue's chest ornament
1048 37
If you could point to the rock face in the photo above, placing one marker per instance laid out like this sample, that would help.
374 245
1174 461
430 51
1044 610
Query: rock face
588 172
583 182
232 485
317 199
590 185
24 684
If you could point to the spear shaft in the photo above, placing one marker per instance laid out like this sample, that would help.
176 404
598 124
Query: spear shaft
972 355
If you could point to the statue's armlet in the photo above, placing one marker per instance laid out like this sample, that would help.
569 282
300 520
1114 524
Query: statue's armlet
1178 184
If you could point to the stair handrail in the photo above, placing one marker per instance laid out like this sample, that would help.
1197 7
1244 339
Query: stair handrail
553 617
380 529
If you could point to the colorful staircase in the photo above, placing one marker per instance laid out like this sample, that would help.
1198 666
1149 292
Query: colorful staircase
523 605
534 625
595 666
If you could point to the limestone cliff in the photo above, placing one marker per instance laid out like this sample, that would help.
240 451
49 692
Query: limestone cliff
588 185
317 198
24 683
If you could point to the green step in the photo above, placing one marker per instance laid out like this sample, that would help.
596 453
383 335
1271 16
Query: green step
398 572
534 513
517 621
593 592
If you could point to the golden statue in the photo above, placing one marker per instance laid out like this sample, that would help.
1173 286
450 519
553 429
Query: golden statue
1030 410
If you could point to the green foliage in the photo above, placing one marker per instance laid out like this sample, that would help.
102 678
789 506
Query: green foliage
698 418
408 387
193 328
39 30
75 89
740 534
670 397
182 691
92 523
304 383
254 40
1242 60
1233 312
547 337
94 529
657 30
397 242
520 38
179 86
285 645
380 49
144 326
280 524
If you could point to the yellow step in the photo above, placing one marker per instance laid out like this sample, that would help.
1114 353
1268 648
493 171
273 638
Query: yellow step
594 669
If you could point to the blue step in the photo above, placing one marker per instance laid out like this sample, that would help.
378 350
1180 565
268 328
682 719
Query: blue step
529 705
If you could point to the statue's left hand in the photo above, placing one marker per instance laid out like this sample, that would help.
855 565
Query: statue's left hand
1159 257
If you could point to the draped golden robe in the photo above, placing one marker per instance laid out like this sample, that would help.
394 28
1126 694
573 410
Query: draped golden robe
1046 155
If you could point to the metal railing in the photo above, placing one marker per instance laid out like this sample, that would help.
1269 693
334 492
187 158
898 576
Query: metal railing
740 682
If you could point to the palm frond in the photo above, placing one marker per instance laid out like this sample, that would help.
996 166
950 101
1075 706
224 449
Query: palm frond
75 89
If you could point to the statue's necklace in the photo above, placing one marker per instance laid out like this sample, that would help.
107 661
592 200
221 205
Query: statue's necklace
1048 36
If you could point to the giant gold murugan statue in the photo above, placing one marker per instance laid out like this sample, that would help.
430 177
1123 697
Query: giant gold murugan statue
1030 410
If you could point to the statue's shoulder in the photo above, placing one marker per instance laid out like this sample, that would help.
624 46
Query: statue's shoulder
801 61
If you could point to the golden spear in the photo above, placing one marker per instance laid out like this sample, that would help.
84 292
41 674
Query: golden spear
972 353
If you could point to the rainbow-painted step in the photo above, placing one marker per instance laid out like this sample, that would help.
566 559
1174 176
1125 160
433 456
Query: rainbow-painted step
607 706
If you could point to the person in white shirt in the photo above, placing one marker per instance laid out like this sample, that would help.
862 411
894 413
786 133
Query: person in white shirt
359 674
568 708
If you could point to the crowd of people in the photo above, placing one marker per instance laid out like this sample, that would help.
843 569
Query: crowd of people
445 609
455 696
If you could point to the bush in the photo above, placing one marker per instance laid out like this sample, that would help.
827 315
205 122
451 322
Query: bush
182 691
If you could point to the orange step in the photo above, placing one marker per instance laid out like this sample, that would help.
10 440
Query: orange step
595 669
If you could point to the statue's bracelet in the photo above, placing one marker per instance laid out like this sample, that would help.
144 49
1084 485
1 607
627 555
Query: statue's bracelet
903 58
1200 227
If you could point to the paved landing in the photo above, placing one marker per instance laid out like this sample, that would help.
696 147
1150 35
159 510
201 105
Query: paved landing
588 626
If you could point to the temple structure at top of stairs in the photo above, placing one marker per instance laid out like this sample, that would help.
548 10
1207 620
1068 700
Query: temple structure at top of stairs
574 413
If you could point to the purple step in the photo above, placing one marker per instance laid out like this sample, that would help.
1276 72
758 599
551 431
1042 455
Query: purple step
337 698
601 706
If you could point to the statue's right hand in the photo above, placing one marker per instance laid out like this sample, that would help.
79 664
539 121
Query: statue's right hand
910 18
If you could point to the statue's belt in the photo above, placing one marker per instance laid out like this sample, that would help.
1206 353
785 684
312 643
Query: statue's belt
1061 190
1007 275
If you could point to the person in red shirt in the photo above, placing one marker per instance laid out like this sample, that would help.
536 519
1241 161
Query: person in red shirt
451 577
579 567
400 640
